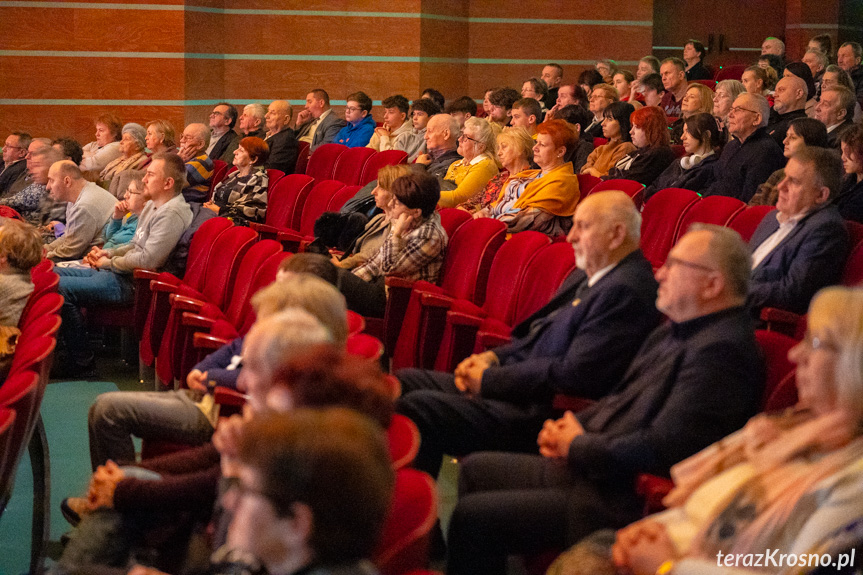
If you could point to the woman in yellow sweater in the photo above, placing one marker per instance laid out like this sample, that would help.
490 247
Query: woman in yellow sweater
477 166
615 128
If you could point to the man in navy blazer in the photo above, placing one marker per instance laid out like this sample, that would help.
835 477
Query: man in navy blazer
580 344
802 246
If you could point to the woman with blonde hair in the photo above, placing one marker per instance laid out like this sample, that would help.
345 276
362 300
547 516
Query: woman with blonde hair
161 137
723 99
515 153
478 165
697 100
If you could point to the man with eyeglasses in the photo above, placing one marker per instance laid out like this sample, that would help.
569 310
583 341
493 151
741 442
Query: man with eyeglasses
802 246
361 125
14 164
223 139
751 156
696 379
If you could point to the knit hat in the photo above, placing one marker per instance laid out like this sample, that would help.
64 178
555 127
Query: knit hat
803 72
137 132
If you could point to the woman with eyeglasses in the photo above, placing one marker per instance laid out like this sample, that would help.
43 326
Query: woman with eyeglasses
465 177
723 99
243 194
652 155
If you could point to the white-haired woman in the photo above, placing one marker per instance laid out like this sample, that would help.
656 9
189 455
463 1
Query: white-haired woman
133 156
477 166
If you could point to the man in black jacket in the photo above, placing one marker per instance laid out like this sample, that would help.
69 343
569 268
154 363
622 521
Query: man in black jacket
284 147
695 380
223 139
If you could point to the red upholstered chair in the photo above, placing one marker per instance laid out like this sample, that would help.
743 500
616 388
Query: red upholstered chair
220 170
285 201
464 274
709 83
661 221
378 161
452 219
746 222
7 212
403 439
341 197
316 204
597 142
20 393
322 163
45 304
273 177
405 538
365 346
356 323
350 165
302 158
730 72
717 210
464 318
629 187
586 183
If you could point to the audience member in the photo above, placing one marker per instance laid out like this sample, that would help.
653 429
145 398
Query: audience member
106 147
579 118
602 96
711 377
580 344
823 43
281 140
14 161
647 65
789 103
651 89
723 99
568 95
515 154
360 124
801 247
160 138
132 157
242 195
695 171
817 62
469 175
87 210
526 113
199 166
588 79
835 111
486 103
316 123
622 82
652 155
441 137
751 155
252 121
607 69
121 228
850 199
693 54
20 251
32 202
552 75
755 80
435 96
501 101
223 139
395 125
414 143
673 73
461 109
109 281
69 149
802 71
697 100
773 45
615 129
536 89
848 57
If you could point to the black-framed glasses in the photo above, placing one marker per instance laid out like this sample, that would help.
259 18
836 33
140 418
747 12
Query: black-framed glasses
465 136
672 261
738 109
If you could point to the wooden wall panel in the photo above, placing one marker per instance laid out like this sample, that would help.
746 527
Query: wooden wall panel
560 42
574 10
402 6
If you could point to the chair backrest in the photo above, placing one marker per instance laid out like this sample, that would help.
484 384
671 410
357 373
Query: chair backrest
597 142
452 219
403 439
273 176
350 165
507 271
378 161
20 393
774 349
730 72
322 163
746 221
717 210
228 251
34 354
201 247
853 272
316 204
629 187
220 170
302 158
341 197
265 275
46 304
660 221
586 182
356 323
679 150
43 325
404 543
542 277
469 254
241 290
709 83
784 395
285 200
364 346
42 267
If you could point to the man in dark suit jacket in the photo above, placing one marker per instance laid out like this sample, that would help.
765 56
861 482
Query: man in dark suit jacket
14 163
802 246
695 380
317 124
284 147
223 139
836 111
580 344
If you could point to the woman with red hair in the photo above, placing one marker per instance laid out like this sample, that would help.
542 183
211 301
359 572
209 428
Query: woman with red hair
653 154
243 194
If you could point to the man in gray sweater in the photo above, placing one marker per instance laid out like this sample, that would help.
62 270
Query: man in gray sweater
109 279
87 210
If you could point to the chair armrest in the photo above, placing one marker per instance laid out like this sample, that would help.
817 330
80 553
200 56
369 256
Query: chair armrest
142 274
290 240
489 340
398 297
186 303
781 321
572 403
265 232
160 286
195 320
438 300
228 396
463 319
207 341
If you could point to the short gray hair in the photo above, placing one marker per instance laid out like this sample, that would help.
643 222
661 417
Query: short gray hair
822 57
762 106
731 255
137 133
256 110
485 135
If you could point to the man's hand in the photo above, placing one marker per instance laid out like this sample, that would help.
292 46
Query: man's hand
550 114
384 130
103 484
642 547
556 436
468 374
303 117
121 208
197 380
424 159
102 263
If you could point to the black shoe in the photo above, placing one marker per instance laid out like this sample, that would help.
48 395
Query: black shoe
69 514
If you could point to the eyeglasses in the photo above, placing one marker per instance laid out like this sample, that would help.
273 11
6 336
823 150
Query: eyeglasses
818 343
672 261
352 109
466 137
8 147
215 113
738 109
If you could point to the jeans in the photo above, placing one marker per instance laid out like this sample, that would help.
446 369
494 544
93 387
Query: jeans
82 288
116 416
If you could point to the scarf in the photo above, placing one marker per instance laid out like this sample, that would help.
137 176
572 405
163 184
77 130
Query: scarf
122 164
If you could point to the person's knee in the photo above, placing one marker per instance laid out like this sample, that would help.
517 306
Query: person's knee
107 409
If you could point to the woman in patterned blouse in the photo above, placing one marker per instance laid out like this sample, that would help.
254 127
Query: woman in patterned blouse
515 152
243 194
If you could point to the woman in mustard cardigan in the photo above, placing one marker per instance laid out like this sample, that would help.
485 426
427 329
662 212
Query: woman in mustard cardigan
464 178
541 200
615 128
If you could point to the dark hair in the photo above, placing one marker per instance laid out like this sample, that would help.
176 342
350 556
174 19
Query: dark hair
627 75
530 106
539 86
813 132
71 148
652 120
231 114
362 99
504 97
336 462
417 190
678 63
426 105
653 82
113 123
397 101
590 77
321 94
465 105
774 61
826 164
620 111
309 263
257 149
575 115
825 42
701 125
435 96
699 48
853 138
25 139
560 132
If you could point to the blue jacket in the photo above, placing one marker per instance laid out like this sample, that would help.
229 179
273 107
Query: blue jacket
215 364
356 135
119 232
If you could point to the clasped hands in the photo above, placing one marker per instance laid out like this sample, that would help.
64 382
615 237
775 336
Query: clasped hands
103 483
468 374
97 258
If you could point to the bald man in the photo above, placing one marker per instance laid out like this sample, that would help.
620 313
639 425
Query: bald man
284 147
579 344
789 103
199 166
442 133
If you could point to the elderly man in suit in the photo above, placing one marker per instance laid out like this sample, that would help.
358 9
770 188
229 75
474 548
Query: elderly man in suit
580 343
317 124
802 246
696 379
284 148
